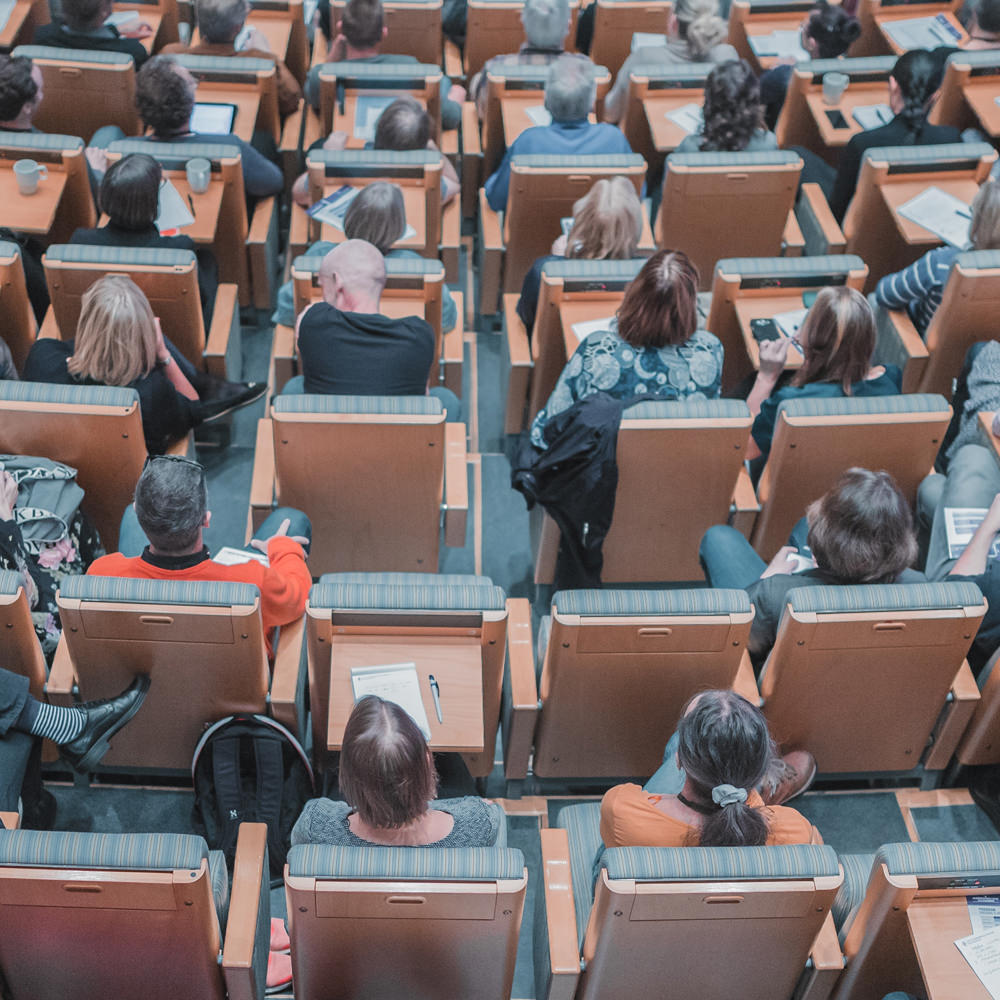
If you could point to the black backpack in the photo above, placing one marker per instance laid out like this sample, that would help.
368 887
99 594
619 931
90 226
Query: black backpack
249 769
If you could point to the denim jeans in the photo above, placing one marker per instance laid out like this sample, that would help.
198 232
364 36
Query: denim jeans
729 560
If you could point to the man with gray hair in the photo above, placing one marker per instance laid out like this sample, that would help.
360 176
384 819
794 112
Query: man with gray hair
546 25
569 98
220 24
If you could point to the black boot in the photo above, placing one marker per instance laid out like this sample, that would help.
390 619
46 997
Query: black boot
104 719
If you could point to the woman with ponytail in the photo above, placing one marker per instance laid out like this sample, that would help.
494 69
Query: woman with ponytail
695 34
721 785
913 88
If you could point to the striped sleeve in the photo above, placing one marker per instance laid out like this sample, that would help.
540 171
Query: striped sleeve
918 286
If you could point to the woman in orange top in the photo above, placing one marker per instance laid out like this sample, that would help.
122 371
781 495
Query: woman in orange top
724 751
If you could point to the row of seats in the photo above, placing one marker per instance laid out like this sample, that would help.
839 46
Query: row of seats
150 915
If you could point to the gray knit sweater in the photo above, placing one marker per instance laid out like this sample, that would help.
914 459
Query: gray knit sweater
477 823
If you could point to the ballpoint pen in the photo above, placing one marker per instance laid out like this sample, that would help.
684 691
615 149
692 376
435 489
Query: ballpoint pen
191 203
436 695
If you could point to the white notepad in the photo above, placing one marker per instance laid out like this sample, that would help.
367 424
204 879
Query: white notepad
779 44
587 327
228 556
928 32
870 116
396 682
791 322
960 525
538 114
982 952
367 113
174 212
984 913
940 213
688 117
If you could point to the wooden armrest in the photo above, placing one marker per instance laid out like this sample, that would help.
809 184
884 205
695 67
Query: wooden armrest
519 365
449 145
559 980
745 683
62 676
491 256
898 343
262 483
312 129
453 350
10 821
451 239
818 981
298 232
456 485
49 327
521 691
290 146
262 248
955 717
249 873
223 347
819 228
472 158
745 505
453 62
284 361
287 671
792 240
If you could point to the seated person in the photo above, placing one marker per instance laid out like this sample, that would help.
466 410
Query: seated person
716 786
377 216
165 96
920 287
861 531
546 25
360 33
913 87
733 115
219 23
161 539
607 225
129 196
83 27
119 342
984 28
654 349
388 780
346 346
837 341
695 34
827 33
569 98
404 125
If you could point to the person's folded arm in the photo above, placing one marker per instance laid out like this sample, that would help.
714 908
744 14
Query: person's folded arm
972 561
286 583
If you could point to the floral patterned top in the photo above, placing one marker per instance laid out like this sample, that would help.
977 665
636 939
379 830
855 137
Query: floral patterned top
606 363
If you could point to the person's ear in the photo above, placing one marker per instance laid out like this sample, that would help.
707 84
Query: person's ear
672 24
207 521
385 31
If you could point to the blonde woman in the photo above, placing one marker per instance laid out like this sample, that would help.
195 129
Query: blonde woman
607 225
920 287
695 34
119 343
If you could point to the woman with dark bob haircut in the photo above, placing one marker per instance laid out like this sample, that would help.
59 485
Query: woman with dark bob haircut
714 788
130 198
733 115
652 349
836 343
860 531
387 777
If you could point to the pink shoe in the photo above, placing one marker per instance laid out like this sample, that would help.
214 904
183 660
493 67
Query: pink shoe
279 971
279 936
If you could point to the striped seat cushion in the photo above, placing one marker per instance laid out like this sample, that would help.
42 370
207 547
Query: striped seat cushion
10 582
120 590
54 53
410 579
223 64
971 858
687 409
351 69
615 603
68 395
857 868
866 66
945 152
770 158
790 267
389 405
442 864
117 851
407 597
979 260
850 406
886 597
394 266
606 270
72 253
677 864
534 161
582 824
219 875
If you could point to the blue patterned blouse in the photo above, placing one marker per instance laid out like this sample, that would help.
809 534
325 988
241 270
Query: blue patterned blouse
605 363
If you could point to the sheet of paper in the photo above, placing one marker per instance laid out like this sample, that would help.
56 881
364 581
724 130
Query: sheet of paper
590 326
982 952
309 8
928 32
174 212
396 682
332 209
870 116
117 19
367 112
780 44
791 322
960 525
538 114
984 913
566 225
646 39
940 213
213 117
689 117
228 556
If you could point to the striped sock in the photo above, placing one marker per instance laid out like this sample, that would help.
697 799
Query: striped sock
61 725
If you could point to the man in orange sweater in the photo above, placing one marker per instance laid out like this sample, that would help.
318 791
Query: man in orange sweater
171 513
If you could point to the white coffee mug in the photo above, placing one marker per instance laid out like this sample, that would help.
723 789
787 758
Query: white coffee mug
28 173
834 85
199 174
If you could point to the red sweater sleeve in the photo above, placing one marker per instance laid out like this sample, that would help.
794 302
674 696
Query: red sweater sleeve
285 587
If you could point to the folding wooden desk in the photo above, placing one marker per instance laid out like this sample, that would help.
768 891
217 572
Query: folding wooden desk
897 192
765 24
935 925
980 95
413 204
455 661
277 31
751 308
883 18
205 207
152 17
33 213
857 95
514 107
668 135
572 311
20 26
247 103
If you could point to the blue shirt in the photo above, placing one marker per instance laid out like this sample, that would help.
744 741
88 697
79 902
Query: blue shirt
918 288
578 138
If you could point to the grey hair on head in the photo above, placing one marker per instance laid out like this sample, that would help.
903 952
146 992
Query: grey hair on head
546 22
570 89
171 499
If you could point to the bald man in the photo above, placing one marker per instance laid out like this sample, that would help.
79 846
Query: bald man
346 346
